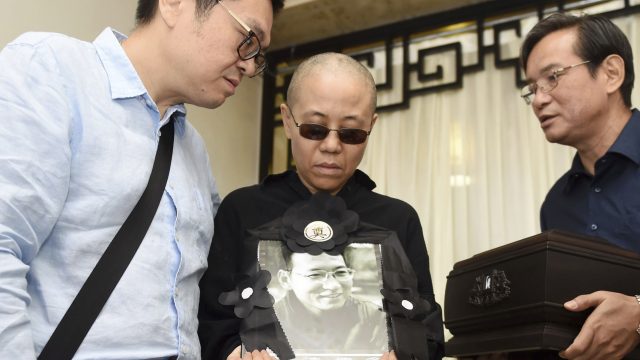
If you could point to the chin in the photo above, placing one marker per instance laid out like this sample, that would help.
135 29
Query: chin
214 104
553 137
208 100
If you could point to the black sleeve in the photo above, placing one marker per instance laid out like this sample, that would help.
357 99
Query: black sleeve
218 326
416 250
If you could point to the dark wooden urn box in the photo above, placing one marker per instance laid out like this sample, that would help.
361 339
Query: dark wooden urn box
509 300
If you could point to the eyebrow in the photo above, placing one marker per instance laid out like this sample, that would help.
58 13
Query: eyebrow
322 116
314 113
550 67
545 69
256 29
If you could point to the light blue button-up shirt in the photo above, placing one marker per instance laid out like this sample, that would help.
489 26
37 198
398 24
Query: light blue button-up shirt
78 136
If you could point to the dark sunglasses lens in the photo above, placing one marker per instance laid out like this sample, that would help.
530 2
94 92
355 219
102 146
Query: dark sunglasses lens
352 136
313 131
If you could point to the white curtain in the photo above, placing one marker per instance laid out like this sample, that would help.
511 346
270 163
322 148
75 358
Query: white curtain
474 161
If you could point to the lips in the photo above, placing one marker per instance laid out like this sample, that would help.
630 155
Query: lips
545 119
233 84
331 296
329 168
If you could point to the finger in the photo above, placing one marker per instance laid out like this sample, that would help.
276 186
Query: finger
248 356
385 356
583 302
392 355
580 345
235 354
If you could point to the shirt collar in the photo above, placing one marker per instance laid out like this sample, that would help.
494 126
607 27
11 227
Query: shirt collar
627 143
123 78
359 179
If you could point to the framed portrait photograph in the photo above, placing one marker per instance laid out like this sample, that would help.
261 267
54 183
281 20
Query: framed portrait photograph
329 306
319 284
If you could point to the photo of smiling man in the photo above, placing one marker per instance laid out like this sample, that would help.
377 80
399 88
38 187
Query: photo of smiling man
326 309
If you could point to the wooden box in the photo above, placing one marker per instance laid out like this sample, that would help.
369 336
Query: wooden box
510 299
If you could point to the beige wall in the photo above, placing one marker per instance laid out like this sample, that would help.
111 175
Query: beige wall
231 132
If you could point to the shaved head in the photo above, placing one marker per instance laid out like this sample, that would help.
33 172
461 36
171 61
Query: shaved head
335 63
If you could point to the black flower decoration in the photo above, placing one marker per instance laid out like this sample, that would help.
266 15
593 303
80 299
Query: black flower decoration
319 225
251 292
407 303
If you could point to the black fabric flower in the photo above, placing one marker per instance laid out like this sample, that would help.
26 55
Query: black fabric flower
407 303
321 224
251 292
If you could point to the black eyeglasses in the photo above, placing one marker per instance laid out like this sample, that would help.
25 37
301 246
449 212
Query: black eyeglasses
546 83
250 47
320 132
344 274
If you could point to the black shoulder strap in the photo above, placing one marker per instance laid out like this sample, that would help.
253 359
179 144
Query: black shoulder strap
95 292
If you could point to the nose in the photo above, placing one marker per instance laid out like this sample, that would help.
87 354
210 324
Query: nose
330 282
540 99
247 67
331 143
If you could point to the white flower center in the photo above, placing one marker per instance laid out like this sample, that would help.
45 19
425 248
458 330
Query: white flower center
246 293
407 305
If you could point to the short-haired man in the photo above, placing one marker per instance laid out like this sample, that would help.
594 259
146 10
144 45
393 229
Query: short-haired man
319 303
81 124
328 117
580 73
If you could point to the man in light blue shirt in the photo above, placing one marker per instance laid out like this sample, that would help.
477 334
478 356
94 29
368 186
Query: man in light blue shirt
79 133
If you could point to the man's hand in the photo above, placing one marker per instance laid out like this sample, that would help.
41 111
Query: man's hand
610 330
389 355
254 355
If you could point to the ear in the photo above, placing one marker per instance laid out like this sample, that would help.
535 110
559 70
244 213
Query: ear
170 10
612 68
284 277
286 120
373 121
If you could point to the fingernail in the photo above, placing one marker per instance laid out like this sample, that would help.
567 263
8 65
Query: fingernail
571 304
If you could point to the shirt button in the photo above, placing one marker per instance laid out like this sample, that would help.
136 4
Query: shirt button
594 227
597 189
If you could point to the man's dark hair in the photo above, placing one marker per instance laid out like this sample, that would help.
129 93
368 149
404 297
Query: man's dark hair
286 255
147 9
597 38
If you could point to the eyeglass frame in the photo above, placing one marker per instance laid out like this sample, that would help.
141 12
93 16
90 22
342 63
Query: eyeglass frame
330 130
350 271
257 55
533 87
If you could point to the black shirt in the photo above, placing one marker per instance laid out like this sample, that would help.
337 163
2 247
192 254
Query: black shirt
253 206
607 204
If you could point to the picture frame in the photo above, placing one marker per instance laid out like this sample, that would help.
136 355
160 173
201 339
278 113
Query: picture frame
329 306
299 296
